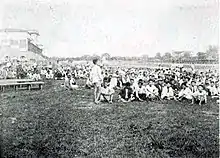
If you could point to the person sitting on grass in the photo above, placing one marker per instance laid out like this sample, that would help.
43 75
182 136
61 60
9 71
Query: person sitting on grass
175 85
88 82
159 86
49 74
119 82
193 86
114 79
107 92
72 83
167 92
152 91
57 74
43 73
133 85
140 92
126 94
29 74
126 78
200 96
185 93
212 90
36 75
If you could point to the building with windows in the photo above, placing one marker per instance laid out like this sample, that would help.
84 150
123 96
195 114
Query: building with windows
20 44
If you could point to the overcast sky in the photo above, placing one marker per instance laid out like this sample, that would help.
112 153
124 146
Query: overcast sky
118 27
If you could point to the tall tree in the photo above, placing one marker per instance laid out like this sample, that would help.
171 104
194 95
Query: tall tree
187 55
107 56
167 56
158 56
178 56
213 52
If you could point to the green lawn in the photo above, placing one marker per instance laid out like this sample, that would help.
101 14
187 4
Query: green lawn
59 123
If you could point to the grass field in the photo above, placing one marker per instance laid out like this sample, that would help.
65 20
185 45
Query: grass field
59 123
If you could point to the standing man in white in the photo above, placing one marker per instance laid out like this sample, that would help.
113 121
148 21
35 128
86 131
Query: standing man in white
96 78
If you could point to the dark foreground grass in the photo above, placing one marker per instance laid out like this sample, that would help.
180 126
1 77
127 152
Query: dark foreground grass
59 123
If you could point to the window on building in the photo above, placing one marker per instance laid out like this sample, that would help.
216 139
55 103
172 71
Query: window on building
5 42
22 44
13 42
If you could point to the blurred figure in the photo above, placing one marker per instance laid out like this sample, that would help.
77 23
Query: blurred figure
167 92
107 92
200 96
96 78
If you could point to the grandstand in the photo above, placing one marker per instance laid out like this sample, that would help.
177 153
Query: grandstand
18 43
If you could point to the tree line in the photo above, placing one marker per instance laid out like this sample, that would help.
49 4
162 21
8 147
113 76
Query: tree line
211 55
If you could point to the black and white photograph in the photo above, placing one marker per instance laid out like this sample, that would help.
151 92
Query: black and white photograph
109 79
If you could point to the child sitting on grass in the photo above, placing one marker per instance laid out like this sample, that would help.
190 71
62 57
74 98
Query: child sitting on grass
185 93
200 96
72 83
133 85
36 75
107 92
152 91
140 93
193 86
126 94
212 89
167 92
88 82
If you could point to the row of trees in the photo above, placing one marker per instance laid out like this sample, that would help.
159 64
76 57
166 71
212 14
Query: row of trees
209 56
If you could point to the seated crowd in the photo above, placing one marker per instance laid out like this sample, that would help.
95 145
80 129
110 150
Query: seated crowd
129 84
21 71
38 72
158 84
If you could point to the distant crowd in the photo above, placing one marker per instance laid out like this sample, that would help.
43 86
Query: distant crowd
127 84
38 72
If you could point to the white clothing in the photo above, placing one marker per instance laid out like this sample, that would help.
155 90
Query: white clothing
66 81
43 72
151 90
96 74
200 95
194 89
107 91
167 92
187 93
141 90
113 82
213 90
36 77
134 87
